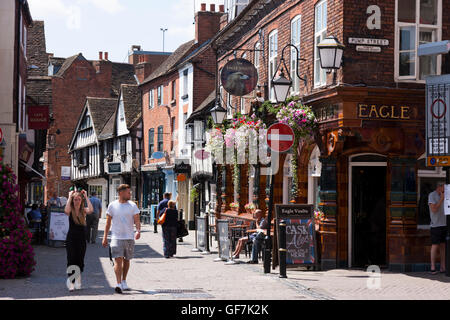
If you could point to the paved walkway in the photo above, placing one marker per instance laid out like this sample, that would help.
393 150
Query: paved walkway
191 275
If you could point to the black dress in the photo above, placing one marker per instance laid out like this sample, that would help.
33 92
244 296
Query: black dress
76 244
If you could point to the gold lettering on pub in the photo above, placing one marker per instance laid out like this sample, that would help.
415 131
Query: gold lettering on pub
373 111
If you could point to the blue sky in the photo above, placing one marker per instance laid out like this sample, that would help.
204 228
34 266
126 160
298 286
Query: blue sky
113 26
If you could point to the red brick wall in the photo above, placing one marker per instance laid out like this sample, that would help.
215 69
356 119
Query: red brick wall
204 82
159 115
207 24
69 96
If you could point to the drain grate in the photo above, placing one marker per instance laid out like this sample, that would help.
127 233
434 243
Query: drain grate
182 293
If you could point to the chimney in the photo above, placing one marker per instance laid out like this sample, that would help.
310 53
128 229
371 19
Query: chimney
203 6
212 7
207 23
100 55
106 55
221 8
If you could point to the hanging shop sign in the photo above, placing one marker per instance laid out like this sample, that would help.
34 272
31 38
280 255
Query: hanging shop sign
65 173
38 117
385 112
114 167
239 77
437 127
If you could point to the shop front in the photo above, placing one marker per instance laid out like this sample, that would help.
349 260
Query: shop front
370 149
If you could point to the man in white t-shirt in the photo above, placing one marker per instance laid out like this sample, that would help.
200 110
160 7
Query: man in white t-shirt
121 215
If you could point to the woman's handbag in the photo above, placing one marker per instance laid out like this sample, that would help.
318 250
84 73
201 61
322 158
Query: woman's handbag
181 229
162 218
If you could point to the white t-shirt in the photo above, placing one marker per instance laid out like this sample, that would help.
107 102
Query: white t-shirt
122 215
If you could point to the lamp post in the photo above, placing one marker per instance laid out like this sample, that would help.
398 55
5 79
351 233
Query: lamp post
218 113
163 31
330 54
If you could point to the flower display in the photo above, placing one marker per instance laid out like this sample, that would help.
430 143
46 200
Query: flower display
234 205
16 252
319 215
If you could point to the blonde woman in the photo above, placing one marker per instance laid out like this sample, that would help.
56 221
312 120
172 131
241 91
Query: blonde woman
76 237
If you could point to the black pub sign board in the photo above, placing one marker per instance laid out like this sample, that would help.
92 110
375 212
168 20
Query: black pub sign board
300 233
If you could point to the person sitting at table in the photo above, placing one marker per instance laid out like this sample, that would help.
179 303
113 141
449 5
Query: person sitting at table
258 237
242 241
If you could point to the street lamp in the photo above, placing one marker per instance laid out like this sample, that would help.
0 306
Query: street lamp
330 53
281 85
218 113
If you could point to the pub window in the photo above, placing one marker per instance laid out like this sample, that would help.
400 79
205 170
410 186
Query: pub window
160 138
109 147
257 56
86 122
151 142
418 22
151 99
229 107
319 34
295 40
273 54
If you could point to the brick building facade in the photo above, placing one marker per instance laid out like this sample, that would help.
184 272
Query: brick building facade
371 120
76 79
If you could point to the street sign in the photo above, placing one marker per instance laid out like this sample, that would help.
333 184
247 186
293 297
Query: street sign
280 137
438 121
438 161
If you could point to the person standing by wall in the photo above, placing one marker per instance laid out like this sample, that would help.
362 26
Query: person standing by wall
438 226
92 219
121 215
76 237
169 228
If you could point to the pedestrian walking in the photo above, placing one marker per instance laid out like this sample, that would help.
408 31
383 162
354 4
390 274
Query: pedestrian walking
76 237
121 215
92 219
162 205
169 230
438 227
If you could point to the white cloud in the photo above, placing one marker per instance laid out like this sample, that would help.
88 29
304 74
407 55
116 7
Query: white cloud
41 9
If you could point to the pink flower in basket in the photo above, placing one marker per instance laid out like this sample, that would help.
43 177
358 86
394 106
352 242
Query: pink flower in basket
234 205
318 215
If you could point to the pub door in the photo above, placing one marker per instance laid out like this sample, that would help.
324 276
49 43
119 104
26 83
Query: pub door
368 217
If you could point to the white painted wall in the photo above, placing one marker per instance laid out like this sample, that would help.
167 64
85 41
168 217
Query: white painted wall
181 125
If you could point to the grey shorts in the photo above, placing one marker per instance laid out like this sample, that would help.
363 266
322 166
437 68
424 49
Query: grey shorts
122 249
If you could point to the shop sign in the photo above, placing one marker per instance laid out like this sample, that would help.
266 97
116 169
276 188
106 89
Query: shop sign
38 117
114 167
182 168
327 113
384 112
65 173
239 77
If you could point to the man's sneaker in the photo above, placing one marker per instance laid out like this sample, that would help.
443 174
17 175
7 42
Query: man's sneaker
118 288
124 286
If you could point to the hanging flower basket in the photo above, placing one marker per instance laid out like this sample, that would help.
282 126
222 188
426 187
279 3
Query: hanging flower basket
304 123
234 206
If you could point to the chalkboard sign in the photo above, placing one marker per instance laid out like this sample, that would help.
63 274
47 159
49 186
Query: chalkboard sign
224 241
300 233
201 233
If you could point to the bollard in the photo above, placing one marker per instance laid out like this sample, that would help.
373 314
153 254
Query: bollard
155 224
282 250
181 218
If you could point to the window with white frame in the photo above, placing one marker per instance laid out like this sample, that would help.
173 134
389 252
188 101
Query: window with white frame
257 56
151 99
320 33
185 83
295 40
418 22
273 54
229 107
160 95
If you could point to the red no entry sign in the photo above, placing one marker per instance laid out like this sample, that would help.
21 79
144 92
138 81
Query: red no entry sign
280 137
1 135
